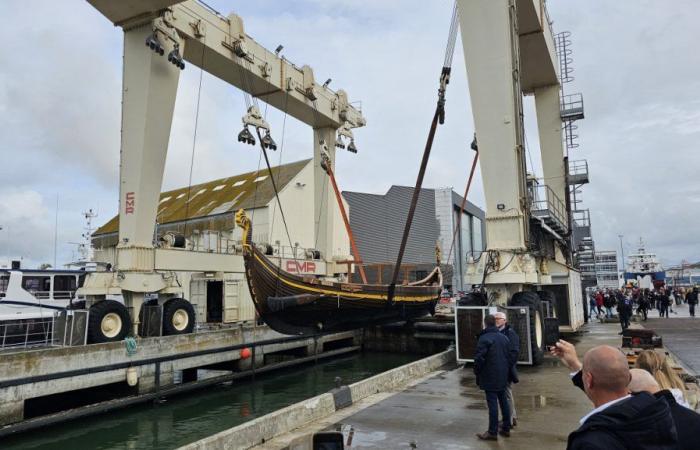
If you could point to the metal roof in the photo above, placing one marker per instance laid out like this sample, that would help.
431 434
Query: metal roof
248 190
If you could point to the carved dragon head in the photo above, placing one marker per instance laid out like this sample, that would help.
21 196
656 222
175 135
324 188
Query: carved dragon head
243 221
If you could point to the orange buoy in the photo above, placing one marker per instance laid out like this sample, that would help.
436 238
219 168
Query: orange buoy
245 353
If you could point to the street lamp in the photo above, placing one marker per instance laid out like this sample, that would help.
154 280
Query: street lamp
622 262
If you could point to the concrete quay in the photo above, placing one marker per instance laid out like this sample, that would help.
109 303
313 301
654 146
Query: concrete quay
162 364
435 406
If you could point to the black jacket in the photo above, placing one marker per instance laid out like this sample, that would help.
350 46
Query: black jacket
687 422
642 422
692 298
492 360
513 352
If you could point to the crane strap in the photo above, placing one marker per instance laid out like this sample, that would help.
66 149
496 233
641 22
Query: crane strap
438 117
326 165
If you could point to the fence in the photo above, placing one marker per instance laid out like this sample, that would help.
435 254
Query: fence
26 333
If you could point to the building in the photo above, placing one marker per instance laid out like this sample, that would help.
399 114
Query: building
606 269
684 275
204 215
378 221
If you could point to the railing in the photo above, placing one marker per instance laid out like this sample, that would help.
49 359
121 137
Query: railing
215 243
578 167
546 203
572 106
27 333
581 218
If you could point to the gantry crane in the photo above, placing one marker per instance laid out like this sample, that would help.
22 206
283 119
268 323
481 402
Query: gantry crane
161 38
510 52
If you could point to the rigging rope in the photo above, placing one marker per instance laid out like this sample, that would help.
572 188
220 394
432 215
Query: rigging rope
274 187
439 117
194 142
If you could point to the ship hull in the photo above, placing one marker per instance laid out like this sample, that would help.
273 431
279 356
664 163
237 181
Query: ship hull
297 305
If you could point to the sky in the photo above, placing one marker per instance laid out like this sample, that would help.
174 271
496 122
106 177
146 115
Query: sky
635 63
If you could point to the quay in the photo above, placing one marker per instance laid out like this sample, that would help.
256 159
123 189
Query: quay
439 406
49 385
163 366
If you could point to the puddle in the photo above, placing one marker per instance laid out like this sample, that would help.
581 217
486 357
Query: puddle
479 406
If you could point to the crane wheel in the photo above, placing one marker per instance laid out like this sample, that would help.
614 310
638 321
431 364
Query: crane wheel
548 296
178 317
536 338
109 321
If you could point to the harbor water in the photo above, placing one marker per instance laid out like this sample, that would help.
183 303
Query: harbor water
189 417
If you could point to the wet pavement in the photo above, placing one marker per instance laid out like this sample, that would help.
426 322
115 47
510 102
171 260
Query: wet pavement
680 334
445 411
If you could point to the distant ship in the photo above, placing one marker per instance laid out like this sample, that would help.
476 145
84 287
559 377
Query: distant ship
644 269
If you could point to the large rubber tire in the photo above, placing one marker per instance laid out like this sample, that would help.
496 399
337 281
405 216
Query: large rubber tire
109 321
178 317
548 296
472 299
532 301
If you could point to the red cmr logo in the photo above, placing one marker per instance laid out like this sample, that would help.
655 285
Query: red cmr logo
130 203
301 267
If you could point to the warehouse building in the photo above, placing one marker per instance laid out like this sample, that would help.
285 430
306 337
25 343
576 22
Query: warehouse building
378 221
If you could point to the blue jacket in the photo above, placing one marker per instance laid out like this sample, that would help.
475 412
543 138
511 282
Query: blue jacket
513 352
492 360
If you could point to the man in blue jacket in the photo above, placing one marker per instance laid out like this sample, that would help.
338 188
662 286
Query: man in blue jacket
491 367
514 354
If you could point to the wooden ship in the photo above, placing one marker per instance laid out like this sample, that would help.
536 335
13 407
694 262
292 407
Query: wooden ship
301 305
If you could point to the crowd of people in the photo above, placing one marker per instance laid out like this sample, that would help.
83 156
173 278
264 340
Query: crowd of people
604 302
642 408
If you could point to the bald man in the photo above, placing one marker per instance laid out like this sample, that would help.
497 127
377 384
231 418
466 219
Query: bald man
619 420
686 420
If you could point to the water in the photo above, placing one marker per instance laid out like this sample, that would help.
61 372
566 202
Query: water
187 418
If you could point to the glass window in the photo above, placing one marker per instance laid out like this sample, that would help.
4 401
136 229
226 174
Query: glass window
465 238
4 281
39 286
64 286
478 240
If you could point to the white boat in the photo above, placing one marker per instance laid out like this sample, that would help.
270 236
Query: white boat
644 269
36 294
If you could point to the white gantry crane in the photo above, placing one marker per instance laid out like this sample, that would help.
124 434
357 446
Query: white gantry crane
510 52
160 38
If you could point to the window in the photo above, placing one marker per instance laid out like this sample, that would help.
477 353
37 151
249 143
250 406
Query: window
179 196
219 187
476 230
39 286
260 178
239 183
165 199
64 286
4 281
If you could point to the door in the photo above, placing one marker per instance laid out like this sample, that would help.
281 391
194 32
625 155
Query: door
232 298
215 295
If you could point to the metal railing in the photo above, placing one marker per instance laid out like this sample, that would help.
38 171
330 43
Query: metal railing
545 203
572 106
26 333
216 243
578 167
581 218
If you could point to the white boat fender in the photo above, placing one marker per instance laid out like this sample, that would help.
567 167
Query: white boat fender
132 376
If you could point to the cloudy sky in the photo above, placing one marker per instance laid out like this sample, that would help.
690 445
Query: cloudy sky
635 60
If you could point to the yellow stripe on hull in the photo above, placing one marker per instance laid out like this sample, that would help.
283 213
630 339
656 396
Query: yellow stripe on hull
397 298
